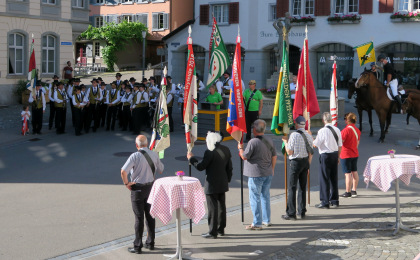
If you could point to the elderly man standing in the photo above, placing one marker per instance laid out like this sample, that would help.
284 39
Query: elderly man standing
142 165
218 165
329 143
260 158
299 148
253 106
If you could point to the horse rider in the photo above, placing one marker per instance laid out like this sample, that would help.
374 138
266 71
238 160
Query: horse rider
391 79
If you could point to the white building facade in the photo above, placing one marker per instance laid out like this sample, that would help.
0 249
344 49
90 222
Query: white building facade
398 38
54 24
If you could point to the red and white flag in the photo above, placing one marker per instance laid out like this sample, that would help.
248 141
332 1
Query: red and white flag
306 102
190 98
333 96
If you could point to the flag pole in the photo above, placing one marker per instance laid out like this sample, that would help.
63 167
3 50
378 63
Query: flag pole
189 174
242 188
307 113
189 164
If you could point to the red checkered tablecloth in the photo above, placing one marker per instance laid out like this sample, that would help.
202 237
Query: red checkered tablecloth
170 193
382 170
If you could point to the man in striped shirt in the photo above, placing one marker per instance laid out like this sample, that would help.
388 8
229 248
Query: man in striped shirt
300 160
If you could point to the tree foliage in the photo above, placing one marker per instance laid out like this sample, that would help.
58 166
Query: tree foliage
116 37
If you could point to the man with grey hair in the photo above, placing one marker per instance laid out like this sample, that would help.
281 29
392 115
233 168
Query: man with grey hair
329 144
142 166
260 158
299 148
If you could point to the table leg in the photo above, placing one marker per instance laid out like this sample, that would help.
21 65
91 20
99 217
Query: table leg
179 254
398 224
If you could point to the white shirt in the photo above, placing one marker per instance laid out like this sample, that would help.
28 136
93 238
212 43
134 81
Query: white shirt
63 93
127 97
169 98
219 86
292 87
26 114
41 94
70 91
92 89
108 97
325 140
80 97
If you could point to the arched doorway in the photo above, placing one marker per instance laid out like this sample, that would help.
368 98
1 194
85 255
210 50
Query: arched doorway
294 58
405 59
325 57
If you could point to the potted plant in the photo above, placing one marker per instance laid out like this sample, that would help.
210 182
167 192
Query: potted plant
405 17
348 18
21 92
302 20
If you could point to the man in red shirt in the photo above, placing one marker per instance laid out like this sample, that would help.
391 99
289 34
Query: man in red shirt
349 155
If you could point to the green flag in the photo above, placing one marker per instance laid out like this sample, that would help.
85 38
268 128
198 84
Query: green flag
219 59
283 113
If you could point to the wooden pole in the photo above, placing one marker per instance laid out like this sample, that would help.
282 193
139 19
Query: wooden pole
242 188
189 173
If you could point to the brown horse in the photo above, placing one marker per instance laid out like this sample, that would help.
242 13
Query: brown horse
361 103
411 106
377 97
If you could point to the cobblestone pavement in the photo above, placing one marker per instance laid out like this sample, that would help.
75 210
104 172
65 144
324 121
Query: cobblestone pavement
10 117
360 240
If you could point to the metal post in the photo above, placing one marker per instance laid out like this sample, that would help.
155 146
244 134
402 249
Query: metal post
143 33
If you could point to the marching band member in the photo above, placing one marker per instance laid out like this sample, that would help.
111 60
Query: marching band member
112 100
92 98
60 97
126 100
38 108
78 105
51 89
102 106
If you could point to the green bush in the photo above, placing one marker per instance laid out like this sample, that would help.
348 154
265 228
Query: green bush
19 89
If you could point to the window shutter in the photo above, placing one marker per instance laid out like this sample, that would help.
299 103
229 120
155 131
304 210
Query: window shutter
165 21
204 14
386 6
282 7
92 2
234 12
322 7
155 21
365 7
92 20
142 18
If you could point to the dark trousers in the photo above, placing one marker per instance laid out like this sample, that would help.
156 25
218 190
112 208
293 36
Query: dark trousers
120 115
141 209
182 113
298 174
328 179
135 118
111 116
216 204
102 114
60 119
126 118
171 120
52 115
144 118
93 114
250 117
72 112
78 120
37 114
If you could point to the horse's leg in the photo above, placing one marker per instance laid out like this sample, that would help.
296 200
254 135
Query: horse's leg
408 117
382 119
388 117
360 112
369 111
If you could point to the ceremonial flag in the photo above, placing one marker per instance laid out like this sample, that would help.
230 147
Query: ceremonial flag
32 69
282 113
306 103
24 126
333 96
190 98
236 124
219 57
160 137
366 53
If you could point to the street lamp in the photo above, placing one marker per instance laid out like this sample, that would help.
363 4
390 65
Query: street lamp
143 33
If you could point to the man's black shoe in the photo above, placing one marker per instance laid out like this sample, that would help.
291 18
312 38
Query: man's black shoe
221 233
150 247
208 235
287 217
134 251
301 216
322 206
334 206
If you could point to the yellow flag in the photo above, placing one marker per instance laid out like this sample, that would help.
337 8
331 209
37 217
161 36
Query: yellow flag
366 53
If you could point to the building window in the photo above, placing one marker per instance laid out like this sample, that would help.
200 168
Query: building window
346 6
52 2
160 21
48 54
408 5
16 53
78 3
221 13
303 7
272 12
99 21
97 49
127 1
142 18
99 1
128 18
